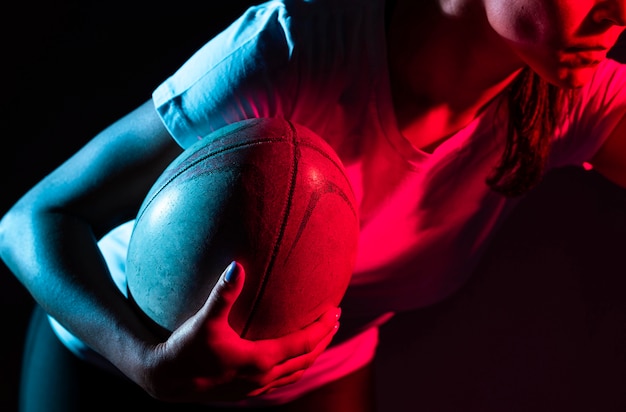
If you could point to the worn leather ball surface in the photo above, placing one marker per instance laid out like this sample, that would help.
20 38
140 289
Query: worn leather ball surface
265 192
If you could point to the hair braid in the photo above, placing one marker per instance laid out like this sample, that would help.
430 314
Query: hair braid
534 106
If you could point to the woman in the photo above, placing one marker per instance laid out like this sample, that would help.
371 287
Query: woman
430 105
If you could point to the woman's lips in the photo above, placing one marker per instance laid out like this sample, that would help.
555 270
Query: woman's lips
584 56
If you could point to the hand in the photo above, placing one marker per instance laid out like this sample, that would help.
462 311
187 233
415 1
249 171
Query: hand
205 360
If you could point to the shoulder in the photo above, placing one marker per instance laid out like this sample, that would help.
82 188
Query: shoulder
610 160
269 36
274 57
605 110
606 89
591 116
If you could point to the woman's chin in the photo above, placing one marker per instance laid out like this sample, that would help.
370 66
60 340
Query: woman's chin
575 77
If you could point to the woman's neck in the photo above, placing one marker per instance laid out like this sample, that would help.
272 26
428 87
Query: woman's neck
444 67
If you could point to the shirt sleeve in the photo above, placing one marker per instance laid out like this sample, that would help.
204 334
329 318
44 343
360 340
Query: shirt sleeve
236 75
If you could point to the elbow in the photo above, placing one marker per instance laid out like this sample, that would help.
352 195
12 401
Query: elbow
3 235
8 229
14 231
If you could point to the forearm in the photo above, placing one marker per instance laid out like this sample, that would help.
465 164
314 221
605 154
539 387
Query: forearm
55 256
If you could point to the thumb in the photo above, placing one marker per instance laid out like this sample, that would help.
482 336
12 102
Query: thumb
225 292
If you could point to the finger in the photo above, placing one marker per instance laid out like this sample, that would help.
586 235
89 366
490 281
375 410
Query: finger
300 363
225 291
286 380
305 340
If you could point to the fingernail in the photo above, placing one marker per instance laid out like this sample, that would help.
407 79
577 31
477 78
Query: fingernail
231 272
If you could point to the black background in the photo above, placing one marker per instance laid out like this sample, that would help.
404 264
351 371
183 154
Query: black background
540 327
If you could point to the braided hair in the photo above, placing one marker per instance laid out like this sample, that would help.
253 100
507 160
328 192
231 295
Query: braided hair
534 106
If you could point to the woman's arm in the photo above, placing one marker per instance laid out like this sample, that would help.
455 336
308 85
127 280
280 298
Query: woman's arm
48 240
